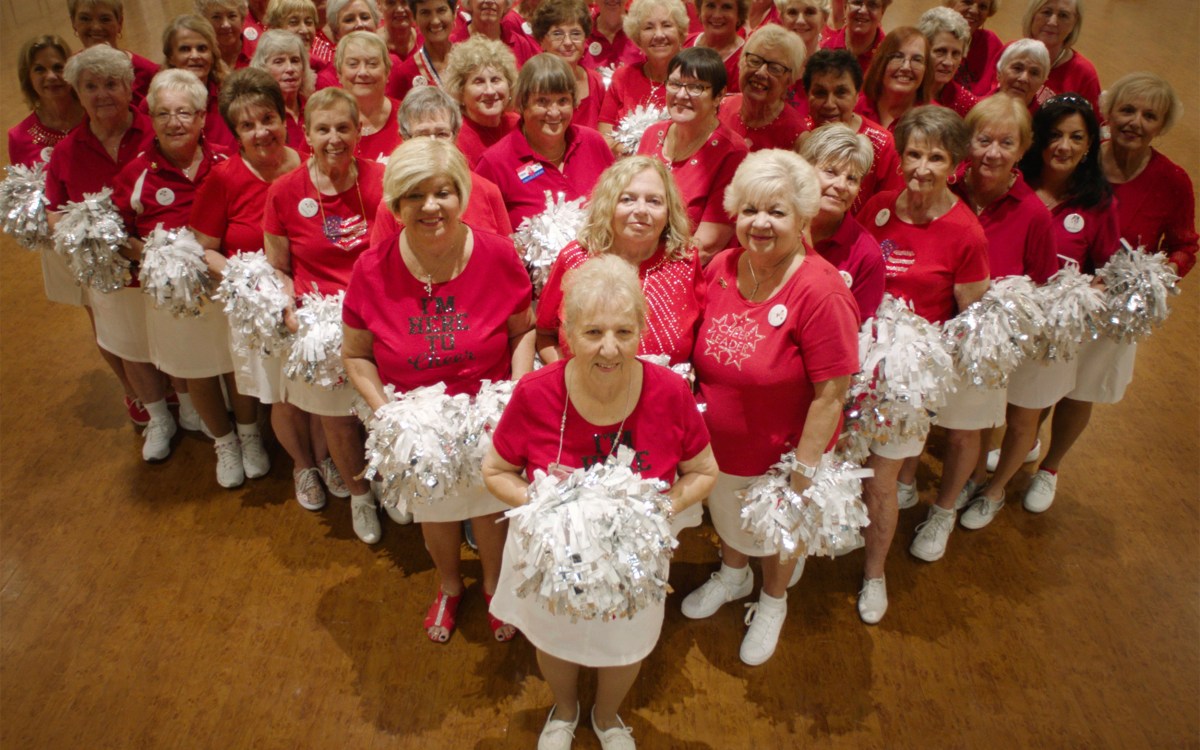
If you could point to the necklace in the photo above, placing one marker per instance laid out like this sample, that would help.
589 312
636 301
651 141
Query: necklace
556 468
451 262
321 202
774 270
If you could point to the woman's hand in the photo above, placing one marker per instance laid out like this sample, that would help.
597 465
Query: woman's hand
290 320
697 476
504 480
800 483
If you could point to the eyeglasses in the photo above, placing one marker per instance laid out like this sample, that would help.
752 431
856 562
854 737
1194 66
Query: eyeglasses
1074 100
185 116
914 60
693 88
754 62
558 35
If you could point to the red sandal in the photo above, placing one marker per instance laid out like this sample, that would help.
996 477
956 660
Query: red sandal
495 623
442 613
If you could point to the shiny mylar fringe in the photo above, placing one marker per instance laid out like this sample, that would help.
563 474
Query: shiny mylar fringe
1074 312
175 273
628 133
540 238
992 337
23 206
90 235
1138 285
254 300
315 356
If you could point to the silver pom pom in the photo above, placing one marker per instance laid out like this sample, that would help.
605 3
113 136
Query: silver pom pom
482 418
683 369
90 235
994 335
1074 312
540 238
905 375
254 300
606 74
174 272
1138 286
316 353
628 133
23 206
595 545
823 520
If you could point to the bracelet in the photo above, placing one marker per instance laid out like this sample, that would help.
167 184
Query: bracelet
795 464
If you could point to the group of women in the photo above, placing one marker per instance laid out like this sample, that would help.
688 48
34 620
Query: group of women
797 173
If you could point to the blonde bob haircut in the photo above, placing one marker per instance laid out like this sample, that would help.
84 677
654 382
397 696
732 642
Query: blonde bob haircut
1036 5
596 234
475 54
999 109
835 144
774 35
198 25
822 6
420 159
365 40
639 11
1156 90
278 12
774 176
328 98
100 60
993 6
282 42
605 282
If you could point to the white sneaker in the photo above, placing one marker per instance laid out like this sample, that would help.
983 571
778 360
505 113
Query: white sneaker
1040 495
993 457
799 571
966 494
556 734
308 488
932 535
619 737
906 495
254 456
765 618
400 517
981 512
872 600
189 418
714 592
366 519
157 435
230 473
333 478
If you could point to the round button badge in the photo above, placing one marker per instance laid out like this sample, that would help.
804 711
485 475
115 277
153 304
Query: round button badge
250 33
777 315
308 208
595 49
46 153
882 217
1073 223
165 196
419 81
846 277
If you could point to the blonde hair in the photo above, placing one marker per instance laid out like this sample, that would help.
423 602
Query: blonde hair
362 39
999 109
605 281
1160 93
596 234
774 35
420 159
279 10
1032 10
204 6
775 176
639 11
837 143
477 53
198 25
328 98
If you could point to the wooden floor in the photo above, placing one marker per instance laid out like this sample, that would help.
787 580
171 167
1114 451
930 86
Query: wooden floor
143 607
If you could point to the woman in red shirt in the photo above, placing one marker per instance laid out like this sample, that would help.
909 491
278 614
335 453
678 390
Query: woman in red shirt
285 56
480 74
948 37
978 70
189 43
774 355
722 21
1021 72
100 22
55 110
771 62
363 65
562 28
1057 23
901 77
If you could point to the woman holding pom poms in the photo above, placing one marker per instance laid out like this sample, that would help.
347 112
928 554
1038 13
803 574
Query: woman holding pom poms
774 355
317 222
572 414
401 295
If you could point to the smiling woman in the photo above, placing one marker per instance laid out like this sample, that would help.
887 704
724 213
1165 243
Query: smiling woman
189 43
1057 23
100 22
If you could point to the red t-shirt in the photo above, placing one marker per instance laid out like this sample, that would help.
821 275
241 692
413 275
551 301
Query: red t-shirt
924 262
885 166
837 40
524 177
1019 234
229 206
485 211
378 146
1158 209
80 164
782 132
701 179
457 336
143 72
674 293
296 137
629 89
1076 75
329 78
413 72
149 190
857 257
664 428
1089 236
30 142
324 243
978 70
956 97
522 46
601 53
587 111
756 362
474 139
732 78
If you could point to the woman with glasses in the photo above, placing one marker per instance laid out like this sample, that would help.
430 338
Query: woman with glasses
863 32
547 151
899 79
701 153
722 21
1057 23
771 62
561 27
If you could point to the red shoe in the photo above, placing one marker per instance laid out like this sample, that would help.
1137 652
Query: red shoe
442 613
137 413
172 398
495 623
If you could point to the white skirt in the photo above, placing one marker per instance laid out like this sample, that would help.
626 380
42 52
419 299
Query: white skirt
725 508
258 375
591 643
971 408
471 503
1105 371
191 347
1036 384
324 402
121 323
60 283
898 450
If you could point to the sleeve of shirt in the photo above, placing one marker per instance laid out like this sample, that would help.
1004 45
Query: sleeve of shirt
122 197
612 102
870 280
513 423
829 336
695 431
549 319
1108 236
973 265
273 220
210 213
56 185
1180 240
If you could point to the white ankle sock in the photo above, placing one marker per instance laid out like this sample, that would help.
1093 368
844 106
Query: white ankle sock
247 430
735 575
185 401
226 439
364 499
771 602
158 410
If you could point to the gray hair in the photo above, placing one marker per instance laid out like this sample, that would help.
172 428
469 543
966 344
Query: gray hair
334 8
639 11
774 35
936 20
424 103
1032 10
100 60
277 41
367 39
835 144
1032 49
204 6
177 79
775 176
939 127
